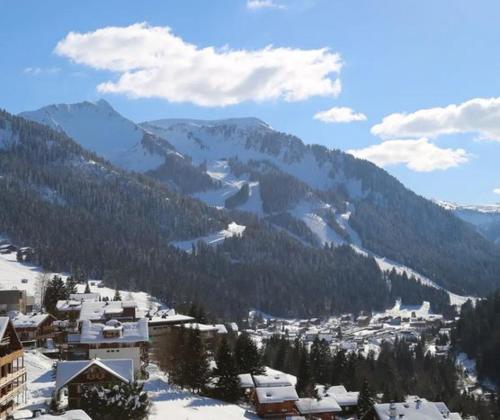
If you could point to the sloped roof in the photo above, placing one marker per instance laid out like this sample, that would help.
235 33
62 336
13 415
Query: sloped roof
131 332
123 369
4 321
312 405
411 410
276 394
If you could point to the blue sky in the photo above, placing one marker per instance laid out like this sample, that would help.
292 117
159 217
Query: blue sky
397 57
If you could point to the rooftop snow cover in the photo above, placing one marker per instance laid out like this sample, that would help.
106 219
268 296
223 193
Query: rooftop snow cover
200 327
170 319
342 396
312 405
68 305
68 415
246 380
94 311
275 380
132 332
28 321
411 410
90 297
68 370
276 394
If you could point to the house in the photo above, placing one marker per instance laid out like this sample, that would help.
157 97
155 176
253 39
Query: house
116 340
76 375
275 401
106 310
274 380
417 409
348 401
12 370
7 248
34 329
324 409
161 325
15 300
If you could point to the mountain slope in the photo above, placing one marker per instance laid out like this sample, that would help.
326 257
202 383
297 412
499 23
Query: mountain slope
339 198
486 219
85 216
99 128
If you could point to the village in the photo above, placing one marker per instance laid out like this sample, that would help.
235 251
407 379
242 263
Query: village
101 337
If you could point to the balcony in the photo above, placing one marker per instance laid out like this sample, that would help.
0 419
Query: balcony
11 376
12 393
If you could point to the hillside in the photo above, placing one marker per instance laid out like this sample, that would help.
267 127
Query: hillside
326 196
83 215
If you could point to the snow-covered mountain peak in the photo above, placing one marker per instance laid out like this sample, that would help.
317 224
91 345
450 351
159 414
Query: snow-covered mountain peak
240 123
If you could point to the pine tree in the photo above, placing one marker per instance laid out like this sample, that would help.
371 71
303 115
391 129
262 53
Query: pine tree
365 400
228 386
117 296
87 288
195 369
56 290
247 356
304 384
71 285
320 359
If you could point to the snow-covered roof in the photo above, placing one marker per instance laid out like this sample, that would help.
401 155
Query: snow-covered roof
246 380
312 405
4 321
342 396
276 394
445 411
170 319
68 415
68 305
95 311
410 410
221 328
28 321
131 332
278 379
67 370
233 326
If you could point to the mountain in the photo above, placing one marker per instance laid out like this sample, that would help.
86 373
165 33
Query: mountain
99 128
486 219
85 216
324 196
315 195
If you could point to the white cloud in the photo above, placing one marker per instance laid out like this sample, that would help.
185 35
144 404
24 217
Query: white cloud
339 115
264 4
36 71
419 155
496 191
479 115
153 62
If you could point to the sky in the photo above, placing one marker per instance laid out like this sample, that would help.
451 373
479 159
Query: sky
413 86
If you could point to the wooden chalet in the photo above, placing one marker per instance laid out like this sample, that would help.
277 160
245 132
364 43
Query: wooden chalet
35 329
12 369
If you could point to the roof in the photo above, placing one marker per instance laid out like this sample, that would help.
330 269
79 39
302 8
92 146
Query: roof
131 332
87 297
170 319
275 380
68 415
221 328
312 405
445 411
342 396
246 380
200 327
68 370
411 410
95 311
4 321
68 305
28 321
276 394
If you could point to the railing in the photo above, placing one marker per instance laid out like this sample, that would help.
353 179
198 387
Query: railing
12 393
11 376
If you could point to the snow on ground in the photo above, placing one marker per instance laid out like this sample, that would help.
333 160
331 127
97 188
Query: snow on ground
40 378
170 402
305 211
233 229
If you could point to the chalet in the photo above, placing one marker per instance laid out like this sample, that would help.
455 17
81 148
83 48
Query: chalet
7 248
76 375
324 409
418 409
12 370
276 401
348 401
106 310
34 329
117 340
161 325
15 300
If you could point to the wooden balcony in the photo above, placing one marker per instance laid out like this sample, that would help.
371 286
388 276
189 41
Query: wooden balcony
12 394
11 376
11 357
